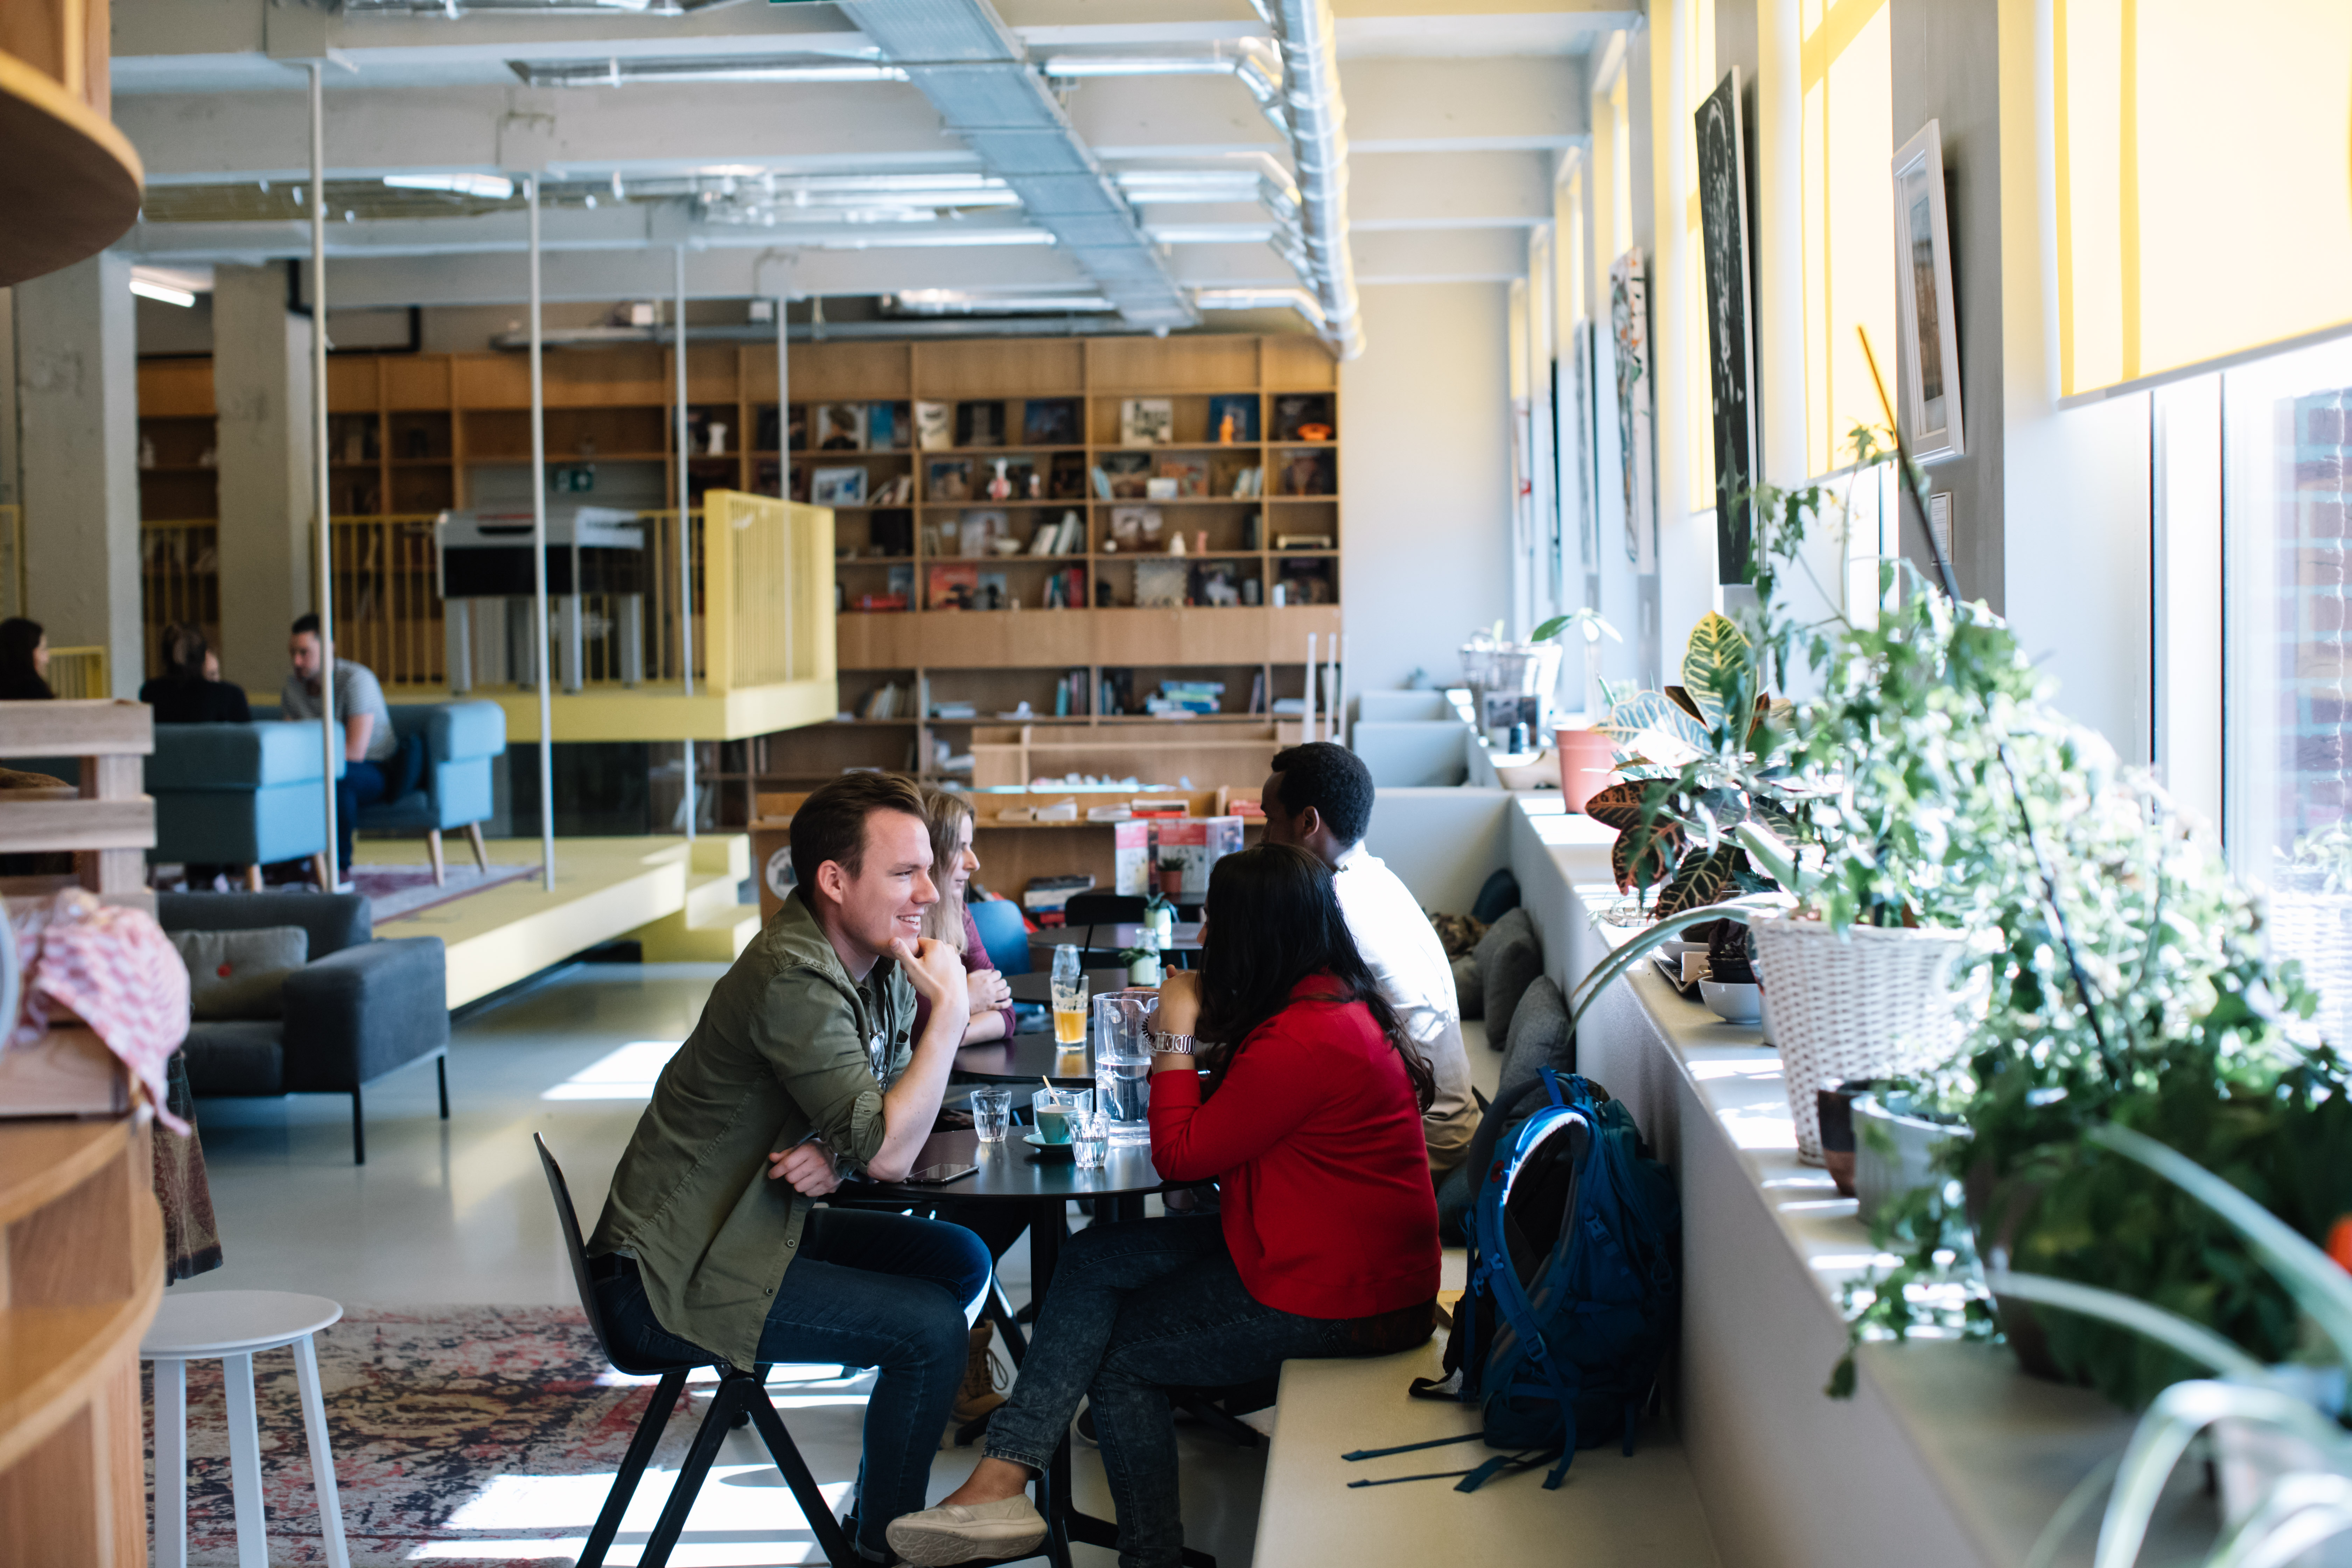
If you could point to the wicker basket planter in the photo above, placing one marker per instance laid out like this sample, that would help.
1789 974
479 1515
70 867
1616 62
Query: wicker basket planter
1869 1002
2314 926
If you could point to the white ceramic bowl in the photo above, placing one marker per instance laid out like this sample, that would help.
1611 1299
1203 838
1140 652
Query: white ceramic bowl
1731 1002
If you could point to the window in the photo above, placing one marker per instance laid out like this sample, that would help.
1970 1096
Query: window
1846 62
2202 175
2288 665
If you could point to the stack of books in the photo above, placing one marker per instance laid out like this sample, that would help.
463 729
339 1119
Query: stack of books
1186 697
1046 897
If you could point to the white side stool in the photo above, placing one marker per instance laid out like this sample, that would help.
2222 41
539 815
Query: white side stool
230 1326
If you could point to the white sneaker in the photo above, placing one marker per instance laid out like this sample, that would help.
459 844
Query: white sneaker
957 1533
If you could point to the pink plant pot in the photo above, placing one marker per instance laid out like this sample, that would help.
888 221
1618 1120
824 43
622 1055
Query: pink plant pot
1588 765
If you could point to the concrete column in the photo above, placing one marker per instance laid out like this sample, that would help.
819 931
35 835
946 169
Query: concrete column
78 412
261 391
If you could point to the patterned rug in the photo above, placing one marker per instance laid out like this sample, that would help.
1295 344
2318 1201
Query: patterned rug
481 1435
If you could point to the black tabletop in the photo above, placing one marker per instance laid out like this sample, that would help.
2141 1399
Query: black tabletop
1025 1059
1185 937
1038 984
1007 1174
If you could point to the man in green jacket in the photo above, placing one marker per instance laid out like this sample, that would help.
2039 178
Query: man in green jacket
800 1070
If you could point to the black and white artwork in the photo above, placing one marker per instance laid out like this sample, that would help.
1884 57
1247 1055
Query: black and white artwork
1731 361
1629 326
1929 342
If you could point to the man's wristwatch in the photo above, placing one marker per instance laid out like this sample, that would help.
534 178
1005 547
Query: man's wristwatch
1172 1044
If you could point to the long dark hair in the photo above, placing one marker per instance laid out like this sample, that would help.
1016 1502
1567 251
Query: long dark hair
19 679
1274 920
184 652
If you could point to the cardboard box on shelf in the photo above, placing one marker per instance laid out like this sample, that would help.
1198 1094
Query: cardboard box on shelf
1185 852
1130 849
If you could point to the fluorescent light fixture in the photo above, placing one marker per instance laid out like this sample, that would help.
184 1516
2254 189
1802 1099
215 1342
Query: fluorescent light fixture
148 288
492 188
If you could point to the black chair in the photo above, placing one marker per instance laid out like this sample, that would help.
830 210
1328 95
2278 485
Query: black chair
740 1393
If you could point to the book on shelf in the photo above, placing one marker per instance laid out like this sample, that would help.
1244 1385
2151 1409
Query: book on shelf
1146 421
899 490
1051 422
1232 418
1136 527
1067 478
797 424
841 427
886 701
1249 483
934 427
1053 893
991 593
1124 476
837 487
954 710
1064 535
951 587
979 423
1190 472
1303 417
1257 692
881 427
977 531
900 582
948 479
878 604
1306 472
1065 590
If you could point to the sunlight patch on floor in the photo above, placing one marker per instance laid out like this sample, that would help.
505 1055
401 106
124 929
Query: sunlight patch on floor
627 1073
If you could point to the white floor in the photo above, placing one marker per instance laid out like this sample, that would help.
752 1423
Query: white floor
456 1213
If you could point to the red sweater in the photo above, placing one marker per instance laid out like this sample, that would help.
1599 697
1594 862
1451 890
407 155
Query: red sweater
1318 1143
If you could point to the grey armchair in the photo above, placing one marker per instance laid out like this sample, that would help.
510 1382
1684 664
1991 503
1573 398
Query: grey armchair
357 1010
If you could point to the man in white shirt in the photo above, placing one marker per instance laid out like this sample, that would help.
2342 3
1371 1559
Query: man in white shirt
1319 797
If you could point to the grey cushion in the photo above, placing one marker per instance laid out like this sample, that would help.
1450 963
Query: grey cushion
236 1059
1469 990
334 920
1540 1039
1509 960
241 974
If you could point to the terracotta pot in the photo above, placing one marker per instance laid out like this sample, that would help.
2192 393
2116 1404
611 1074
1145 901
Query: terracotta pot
1588 765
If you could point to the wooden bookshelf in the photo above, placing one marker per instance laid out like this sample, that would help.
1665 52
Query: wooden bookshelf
411 434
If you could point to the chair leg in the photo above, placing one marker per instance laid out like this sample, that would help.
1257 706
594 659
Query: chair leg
320 872
838 1548
433 853
481 852
999 1311
633 1467
244 1463
322 1458
441 1072
253 879
705 1448
359 1131
170 1464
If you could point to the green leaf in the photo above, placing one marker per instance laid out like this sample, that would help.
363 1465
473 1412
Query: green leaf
1701 878
1719 672
1649 724
1618 806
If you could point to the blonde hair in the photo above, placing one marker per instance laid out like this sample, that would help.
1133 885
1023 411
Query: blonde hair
945 813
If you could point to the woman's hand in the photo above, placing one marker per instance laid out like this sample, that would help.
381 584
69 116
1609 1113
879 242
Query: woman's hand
989 990
1180 1002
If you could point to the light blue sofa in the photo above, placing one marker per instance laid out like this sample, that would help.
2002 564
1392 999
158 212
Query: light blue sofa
239 794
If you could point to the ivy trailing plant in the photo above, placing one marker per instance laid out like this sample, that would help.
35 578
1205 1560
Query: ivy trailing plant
1698 762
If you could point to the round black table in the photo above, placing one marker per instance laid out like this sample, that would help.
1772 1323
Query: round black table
1037 985
1025 1058
1008 1174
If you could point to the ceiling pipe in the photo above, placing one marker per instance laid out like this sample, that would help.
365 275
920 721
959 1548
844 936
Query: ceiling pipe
1308 37
888 331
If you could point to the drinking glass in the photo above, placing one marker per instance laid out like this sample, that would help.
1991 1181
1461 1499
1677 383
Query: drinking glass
1051 1109
1090 1139
1122 1027
1069 989
991 1113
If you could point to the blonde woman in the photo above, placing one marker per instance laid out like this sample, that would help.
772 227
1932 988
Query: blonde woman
952 864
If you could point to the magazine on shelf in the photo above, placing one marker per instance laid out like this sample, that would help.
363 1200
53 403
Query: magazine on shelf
1051 422
948 479
1136 527
841 428
837 487
934 427
1303 417
1146 422
951 587
979 423
977 531
881 427
991 592
1127 475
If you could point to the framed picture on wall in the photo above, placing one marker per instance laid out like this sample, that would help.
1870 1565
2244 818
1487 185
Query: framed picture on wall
1629 328
1723 230
1928 339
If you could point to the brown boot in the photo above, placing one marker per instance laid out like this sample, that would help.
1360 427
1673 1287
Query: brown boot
978 1395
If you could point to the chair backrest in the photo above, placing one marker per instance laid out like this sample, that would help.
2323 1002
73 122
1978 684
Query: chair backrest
1102 909
568 1219
333 921
1004 933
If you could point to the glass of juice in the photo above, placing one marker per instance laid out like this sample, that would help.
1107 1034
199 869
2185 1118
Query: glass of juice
1069 989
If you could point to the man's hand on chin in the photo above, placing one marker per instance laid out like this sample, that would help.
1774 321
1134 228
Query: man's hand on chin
936 971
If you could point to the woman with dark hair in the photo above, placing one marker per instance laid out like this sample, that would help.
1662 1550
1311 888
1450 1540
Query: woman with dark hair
24 661
1326 1243
188 692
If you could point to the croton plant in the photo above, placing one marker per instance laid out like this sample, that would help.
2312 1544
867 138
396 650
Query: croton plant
1698 759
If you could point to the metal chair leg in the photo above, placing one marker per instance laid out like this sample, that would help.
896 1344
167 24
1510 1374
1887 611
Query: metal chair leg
837 1547
642 1445
441 1072
690 1474
359 1131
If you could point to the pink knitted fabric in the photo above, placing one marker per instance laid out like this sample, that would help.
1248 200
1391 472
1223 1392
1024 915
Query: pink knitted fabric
115 970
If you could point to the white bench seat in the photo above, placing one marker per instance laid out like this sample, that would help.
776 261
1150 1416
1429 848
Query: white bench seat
1611 1510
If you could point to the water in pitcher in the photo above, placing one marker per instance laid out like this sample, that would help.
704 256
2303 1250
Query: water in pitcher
1122 1025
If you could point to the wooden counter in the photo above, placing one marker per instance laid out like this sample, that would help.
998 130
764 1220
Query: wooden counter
81 1271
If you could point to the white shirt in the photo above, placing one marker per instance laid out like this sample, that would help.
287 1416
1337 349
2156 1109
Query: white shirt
1408 960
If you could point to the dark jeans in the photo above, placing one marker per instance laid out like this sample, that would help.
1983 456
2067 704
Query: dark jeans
1136 1308
867 1290
364 783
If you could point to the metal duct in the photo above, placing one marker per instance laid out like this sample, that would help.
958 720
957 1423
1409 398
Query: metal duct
976 73
1318 150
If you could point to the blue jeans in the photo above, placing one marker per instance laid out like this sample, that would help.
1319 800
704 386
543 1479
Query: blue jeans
871 1290
364 783
1136 1308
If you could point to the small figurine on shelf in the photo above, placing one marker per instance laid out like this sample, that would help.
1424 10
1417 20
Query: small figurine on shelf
1175 542
1036 485
1226 429
1001 487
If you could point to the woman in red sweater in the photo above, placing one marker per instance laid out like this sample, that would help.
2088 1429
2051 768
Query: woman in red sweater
1326 1243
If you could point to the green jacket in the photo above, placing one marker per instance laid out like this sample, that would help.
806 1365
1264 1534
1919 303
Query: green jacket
781 1050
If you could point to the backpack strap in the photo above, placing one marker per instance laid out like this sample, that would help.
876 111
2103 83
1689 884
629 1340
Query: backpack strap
1414 1448
1511 1300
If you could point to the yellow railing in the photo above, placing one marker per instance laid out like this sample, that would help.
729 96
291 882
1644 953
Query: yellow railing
80 674
762 596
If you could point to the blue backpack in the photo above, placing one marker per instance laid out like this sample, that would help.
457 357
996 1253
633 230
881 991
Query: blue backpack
1574 1290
